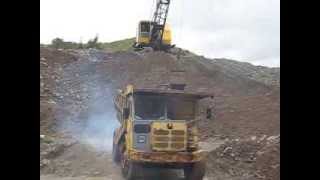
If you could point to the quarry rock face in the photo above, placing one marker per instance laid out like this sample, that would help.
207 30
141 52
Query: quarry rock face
77 116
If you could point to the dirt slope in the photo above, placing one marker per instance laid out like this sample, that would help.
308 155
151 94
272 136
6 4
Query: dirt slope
78 84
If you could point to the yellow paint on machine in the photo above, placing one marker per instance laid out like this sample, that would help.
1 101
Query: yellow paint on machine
168 157
144 37
169 136
129 135
166 39
143 40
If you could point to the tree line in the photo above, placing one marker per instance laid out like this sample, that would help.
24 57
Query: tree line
59 43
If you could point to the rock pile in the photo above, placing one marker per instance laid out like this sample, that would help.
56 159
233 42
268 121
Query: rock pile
251 158
246 104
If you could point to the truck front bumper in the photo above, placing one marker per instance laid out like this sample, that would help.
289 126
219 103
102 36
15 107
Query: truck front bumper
167 157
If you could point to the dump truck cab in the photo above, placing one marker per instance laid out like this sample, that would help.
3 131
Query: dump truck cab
158 128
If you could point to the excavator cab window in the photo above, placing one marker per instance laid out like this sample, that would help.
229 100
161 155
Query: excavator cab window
145 27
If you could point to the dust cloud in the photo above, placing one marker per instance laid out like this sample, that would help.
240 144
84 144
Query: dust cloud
98 128
92 120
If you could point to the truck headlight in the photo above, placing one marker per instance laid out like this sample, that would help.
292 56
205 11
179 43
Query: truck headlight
141 138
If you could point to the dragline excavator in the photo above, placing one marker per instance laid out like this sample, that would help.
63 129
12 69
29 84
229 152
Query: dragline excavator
155 33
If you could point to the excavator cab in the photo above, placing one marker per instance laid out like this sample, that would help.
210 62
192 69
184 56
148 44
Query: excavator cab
144 36
155 33
143 33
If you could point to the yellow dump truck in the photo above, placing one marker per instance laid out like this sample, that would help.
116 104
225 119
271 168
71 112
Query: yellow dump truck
158 129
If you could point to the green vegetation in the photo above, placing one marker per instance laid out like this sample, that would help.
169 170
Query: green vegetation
59 43
92 43
46 139
122 45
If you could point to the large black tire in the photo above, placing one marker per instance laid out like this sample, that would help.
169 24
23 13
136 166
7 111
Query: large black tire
115 152
129 170
195 171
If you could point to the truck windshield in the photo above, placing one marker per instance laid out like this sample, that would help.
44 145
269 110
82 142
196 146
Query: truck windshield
152 107
180 109
148 107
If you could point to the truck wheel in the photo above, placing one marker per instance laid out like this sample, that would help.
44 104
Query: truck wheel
115 152
128 169
195 171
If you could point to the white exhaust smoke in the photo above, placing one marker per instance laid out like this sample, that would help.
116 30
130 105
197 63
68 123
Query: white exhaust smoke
93 119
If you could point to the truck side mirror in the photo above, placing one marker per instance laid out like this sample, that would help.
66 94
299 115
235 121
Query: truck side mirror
126 113
209 113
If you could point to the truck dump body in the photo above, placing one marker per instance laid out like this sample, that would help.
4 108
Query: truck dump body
173 92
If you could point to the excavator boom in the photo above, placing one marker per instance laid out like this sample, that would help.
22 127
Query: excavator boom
159 21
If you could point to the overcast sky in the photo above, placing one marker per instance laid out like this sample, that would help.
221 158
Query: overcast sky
244 30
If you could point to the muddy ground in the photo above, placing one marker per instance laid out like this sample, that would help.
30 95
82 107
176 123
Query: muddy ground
77 116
